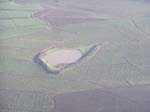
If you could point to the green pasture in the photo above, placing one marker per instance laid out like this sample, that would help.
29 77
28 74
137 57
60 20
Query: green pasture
17 19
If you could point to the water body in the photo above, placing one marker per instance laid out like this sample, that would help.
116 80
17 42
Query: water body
55 60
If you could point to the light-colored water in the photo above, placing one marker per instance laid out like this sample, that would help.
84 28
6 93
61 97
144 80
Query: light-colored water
62 57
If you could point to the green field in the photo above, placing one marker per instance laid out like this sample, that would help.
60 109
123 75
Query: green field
17 20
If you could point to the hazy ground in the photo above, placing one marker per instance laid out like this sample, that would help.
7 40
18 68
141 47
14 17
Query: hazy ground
122 26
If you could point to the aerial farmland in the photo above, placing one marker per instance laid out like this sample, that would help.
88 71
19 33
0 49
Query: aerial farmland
74 55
